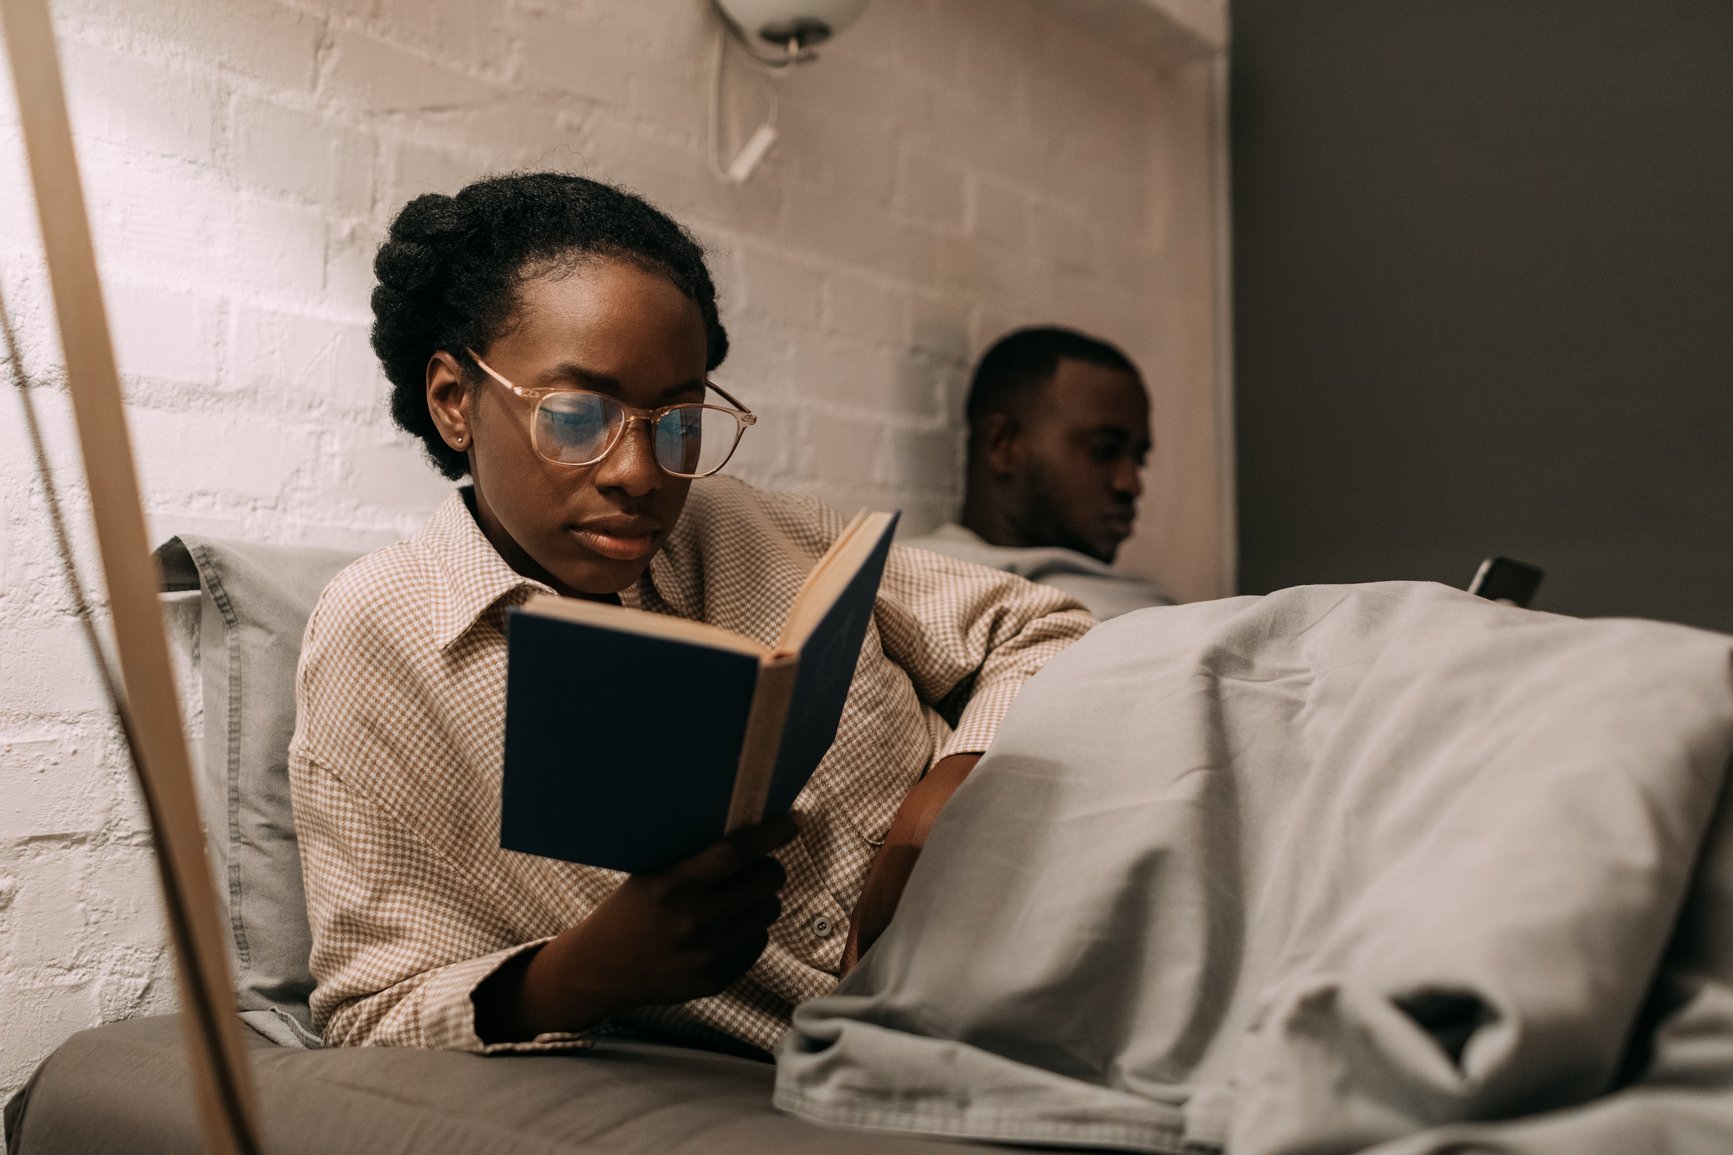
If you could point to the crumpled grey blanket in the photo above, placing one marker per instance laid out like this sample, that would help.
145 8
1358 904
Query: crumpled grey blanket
1337 869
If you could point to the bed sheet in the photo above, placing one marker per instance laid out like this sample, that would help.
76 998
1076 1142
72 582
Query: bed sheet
1313 872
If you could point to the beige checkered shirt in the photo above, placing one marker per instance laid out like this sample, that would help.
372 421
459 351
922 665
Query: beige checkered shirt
395 763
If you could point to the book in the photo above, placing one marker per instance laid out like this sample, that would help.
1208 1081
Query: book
634 740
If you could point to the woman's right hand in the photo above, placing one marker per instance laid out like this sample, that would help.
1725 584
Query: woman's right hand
680 933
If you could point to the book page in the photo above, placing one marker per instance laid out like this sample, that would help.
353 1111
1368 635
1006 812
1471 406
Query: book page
764 729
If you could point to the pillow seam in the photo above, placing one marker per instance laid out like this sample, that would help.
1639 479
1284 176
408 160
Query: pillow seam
207 567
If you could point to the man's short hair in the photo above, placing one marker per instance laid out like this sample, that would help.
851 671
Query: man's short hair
1023 360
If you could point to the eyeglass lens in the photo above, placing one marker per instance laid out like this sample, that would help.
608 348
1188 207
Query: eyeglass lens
576 428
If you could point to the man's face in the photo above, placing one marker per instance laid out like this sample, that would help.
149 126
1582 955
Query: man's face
1084 440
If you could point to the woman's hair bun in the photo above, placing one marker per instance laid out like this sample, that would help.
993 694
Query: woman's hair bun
408 266
429 217
413 258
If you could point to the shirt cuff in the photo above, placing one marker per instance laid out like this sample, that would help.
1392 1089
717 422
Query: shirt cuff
455 987
976 729
549 1041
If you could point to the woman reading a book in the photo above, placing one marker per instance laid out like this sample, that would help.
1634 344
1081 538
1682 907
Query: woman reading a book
550 338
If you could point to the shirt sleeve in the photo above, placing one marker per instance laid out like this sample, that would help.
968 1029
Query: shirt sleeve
951 625
401 941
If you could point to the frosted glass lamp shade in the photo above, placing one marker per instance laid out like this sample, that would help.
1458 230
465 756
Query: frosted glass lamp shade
803 22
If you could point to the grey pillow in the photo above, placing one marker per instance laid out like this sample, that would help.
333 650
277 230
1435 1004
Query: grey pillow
253 608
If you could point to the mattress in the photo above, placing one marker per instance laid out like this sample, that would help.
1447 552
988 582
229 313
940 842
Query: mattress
125 1087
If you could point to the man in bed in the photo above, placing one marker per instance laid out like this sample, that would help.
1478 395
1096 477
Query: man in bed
1058 433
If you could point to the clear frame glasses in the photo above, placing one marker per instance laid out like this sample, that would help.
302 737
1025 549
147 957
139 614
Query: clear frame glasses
579 427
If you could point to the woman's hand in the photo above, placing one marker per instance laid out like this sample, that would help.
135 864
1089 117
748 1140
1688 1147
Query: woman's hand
895 860
681 933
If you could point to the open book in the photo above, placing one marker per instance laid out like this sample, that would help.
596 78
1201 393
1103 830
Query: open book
633 740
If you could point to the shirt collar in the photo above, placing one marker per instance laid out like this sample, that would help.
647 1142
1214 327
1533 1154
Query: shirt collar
476 577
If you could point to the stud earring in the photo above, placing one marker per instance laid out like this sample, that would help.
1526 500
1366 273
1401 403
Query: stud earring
457 442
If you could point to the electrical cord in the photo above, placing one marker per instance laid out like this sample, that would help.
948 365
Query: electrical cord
773 73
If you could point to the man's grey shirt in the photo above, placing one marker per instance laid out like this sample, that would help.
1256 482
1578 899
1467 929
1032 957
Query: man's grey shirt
1103 590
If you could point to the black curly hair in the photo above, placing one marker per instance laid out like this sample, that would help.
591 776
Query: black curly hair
1024 358
450 269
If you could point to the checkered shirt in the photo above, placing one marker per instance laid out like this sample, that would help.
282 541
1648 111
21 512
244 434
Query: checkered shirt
395 763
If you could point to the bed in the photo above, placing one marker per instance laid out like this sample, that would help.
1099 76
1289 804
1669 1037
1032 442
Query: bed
1378 868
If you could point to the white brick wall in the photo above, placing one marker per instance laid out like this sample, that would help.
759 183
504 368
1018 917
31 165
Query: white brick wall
950 168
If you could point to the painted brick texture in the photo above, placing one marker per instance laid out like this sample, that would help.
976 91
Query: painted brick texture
948 169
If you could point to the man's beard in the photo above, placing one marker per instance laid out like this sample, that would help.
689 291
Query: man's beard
1040 520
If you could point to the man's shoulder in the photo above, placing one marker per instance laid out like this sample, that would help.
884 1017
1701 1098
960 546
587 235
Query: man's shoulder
958 541
1106 592
1111 593
950 538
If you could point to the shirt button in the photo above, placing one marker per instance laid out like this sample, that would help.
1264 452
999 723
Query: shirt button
822 926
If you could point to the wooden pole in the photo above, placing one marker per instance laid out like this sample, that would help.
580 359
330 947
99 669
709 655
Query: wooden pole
151 711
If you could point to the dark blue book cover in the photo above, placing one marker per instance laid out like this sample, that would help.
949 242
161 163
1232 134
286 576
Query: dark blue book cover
622 746
822 679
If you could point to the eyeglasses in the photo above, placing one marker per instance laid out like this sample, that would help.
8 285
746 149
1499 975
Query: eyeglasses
578 427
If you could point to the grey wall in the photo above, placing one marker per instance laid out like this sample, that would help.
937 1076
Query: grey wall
1484 295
